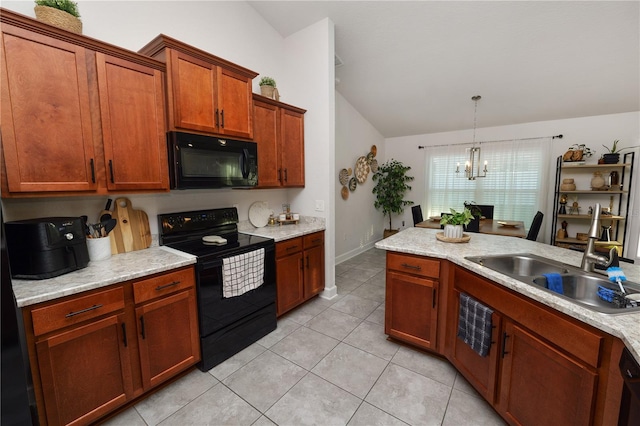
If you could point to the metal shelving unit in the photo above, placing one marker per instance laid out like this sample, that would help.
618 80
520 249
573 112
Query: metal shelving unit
618 221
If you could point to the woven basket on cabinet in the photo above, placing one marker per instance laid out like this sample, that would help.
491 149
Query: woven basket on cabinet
58 18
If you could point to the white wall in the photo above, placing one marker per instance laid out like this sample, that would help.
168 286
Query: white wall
358 224
302 66
591 131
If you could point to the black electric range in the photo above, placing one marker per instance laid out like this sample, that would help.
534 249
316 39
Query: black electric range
227 324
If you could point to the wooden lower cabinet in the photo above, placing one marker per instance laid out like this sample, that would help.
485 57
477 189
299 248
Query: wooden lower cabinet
299 270
411 310
542 367
85 358
542 385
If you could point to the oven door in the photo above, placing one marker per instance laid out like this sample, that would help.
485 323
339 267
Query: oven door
217 312
199 161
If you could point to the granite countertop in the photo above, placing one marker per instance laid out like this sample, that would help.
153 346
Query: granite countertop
306 225
118 268
421 241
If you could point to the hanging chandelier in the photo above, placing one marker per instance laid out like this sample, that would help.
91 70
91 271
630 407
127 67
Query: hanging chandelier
472 165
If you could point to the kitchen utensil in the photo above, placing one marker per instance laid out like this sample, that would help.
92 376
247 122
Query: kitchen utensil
109 225
106 213
132 231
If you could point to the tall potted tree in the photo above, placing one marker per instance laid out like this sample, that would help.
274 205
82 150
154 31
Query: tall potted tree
390 188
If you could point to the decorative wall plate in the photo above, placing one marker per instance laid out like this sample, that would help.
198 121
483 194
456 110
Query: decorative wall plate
352 184
259 214
374 165
369 157
362 169
344 192
343 177
374 150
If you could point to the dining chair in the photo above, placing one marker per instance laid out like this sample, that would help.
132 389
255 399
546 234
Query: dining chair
486 210
416 211
535 227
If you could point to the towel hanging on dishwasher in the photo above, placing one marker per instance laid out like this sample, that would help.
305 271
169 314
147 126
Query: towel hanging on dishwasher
242 273
474 324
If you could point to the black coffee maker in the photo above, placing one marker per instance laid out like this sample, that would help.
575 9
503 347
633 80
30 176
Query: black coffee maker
46 247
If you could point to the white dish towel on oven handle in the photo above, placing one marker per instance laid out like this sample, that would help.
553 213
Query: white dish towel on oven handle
242 273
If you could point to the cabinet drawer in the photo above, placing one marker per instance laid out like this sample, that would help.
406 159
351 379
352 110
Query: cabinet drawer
287 247
162 285
416 265
79 309
312 240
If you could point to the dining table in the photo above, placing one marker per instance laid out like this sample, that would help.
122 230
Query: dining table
509 228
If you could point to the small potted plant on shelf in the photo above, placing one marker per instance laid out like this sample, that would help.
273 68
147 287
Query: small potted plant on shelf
59 13
390 187
454 222
613 154
267 86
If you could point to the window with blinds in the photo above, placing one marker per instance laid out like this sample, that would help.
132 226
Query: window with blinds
516 184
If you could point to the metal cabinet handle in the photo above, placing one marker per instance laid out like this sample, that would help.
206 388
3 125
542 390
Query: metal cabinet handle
416 267
504 344
93 171
82 311
285 175
142 327
111 170
317 240
292 248
124 334
162 287
222 119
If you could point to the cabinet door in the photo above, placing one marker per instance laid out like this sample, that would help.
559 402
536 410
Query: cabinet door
234 101
167 337
541 385
479 371
292 147
265 134
289 284
411 310
192 102
133 127
85 372
313 271
46 120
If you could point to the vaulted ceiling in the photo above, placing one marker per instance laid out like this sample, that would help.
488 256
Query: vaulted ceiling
412 67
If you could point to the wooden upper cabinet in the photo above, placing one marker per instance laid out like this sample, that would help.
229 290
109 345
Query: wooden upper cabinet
292 147
279 133
46 116
78 115
265 134
133 125
205 93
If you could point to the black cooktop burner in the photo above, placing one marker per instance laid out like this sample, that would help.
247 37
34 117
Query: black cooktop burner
184 231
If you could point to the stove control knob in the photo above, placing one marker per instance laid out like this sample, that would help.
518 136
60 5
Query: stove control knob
68 236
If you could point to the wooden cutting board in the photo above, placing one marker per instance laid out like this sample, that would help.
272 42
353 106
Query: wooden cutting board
132 231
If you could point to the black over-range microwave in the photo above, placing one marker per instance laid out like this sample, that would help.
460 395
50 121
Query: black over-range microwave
200 161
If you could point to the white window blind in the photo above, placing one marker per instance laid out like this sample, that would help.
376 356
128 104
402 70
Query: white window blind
517 181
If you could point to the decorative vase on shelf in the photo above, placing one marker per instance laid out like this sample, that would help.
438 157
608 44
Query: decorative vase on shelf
568 185
597 181
453 231
611 158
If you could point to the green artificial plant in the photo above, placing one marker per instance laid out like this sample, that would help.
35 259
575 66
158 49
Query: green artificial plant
71 7
614 148
457 218
390 188
267 81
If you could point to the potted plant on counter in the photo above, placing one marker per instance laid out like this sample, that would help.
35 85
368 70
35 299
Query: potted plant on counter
59 13
454 222
613 156
390 188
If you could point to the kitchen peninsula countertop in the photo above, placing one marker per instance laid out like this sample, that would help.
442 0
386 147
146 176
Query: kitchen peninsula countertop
306 225
118 268
423 242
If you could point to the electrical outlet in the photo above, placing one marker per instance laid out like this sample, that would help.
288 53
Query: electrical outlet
319 205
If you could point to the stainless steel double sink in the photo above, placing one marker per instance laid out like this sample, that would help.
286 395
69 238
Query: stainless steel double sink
578 286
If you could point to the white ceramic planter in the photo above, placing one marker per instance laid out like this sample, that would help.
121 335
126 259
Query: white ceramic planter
453 231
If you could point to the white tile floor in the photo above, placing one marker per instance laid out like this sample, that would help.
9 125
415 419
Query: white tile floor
328 363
